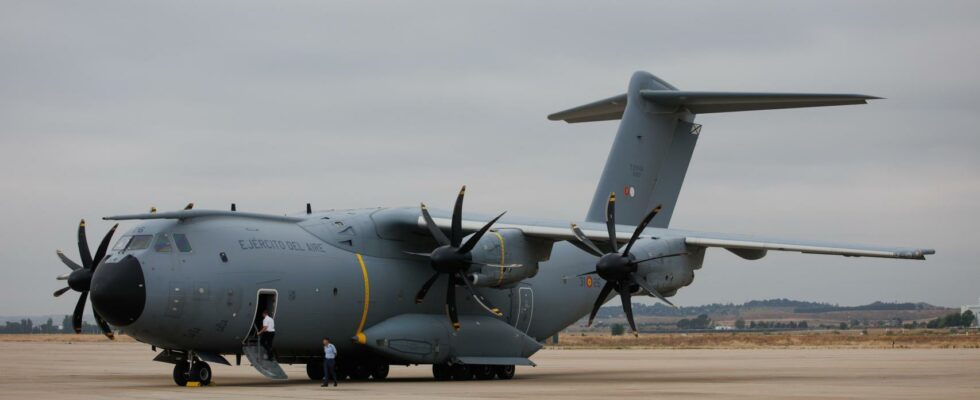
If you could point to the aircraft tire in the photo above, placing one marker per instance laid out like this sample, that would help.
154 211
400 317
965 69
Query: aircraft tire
360 372
200 372
380 371
461 372
180 373
505 371
314 369
483 372
441 372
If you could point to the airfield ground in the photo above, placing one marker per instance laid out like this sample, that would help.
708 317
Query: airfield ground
53 367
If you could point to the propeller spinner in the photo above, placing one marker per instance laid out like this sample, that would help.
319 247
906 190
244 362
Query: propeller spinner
80 277
452 258
617 268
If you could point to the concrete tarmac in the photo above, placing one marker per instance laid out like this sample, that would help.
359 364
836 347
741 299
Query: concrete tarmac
124 370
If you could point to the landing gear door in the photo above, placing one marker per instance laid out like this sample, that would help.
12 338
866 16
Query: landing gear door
523 306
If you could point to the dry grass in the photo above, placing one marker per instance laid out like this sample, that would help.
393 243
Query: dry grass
879 339
61 338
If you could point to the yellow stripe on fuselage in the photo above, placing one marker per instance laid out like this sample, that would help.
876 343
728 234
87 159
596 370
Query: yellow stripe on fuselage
367 300
501 237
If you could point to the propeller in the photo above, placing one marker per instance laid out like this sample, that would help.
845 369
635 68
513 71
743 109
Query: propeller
618 268
452 258
80 277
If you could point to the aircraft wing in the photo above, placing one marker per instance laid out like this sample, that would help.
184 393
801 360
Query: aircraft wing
738 244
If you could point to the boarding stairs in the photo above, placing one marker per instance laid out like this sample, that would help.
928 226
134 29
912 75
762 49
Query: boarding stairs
258 357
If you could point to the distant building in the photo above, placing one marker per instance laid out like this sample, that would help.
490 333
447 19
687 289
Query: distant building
975 309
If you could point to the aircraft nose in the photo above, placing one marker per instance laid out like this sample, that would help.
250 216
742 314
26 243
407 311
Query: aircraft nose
119 291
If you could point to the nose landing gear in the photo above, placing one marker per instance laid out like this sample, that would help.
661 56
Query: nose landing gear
197 372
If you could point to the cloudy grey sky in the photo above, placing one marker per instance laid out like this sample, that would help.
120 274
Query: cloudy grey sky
111 107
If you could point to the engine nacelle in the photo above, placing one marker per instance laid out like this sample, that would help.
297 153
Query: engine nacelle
507 247
668 274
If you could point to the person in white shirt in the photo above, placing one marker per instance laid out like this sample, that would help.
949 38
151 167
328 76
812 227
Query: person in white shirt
329 362
267 333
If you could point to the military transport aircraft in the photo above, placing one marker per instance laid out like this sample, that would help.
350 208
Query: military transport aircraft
473 295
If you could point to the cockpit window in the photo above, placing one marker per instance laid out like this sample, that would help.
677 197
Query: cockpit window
162 243
122 243
182 243
139 242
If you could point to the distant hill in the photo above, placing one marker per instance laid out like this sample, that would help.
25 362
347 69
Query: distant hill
730 309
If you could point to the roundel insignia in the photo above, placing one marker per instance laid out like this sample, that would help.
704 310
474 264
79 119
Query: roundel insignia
588 281
629 191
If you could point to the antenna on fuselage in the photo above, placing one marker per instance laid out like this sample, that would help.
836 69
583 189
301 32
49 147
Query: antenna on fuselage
309 208
189 206
233 207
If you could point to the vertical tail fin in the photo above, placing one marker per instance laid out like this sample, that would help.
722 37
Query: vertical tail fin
657 135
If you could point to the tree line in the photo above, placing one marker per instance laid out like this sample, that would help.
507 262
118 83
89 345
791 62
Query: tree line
27 326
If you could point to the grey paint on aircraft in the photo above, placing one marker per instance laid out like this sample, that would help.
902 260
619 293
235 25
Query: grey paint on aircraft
352 275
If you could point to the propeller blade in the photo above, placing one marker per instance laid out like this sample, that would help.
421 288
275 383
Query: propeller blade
418 254
100 252
83 246
653 292
433 229
591 247
425 288
103 325
61 291
611 222
625 296
497 265
603 294
471 243
64 276
68 262
480 299
451 303
586 274
76 317
659 257
456 236
639 228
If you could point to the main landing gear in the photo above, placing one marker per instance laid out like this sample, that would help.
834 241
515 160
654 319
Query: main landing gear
198 371
463 372
352 369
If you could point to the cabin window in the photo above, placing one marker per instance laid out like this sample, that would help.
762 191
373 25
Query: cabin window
122 243
182 243
139 242
162 244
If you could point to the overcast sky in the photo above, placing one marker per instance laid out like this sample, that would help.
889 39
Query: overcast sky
113 107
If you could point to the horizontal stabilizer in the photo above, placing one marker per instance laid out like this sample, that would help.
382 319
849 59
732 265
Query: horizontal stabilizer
715 102
603 110
707 102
